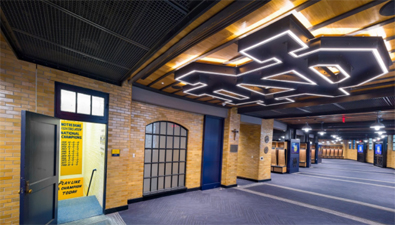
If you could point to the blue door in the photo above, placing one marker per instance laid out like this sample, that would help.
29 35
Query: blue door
212 152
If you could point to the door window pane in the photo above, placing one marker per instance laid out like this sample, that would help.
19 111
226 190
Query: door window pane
162 142
147 156
163 128
155 143
154 184
156 128
176 130
148 141
148 129
183 142
168 169
183 132
97 106
146 185
162 155
67 101
83 104
174 181
161 169
167 182
170 129
182 155
169 155
181 180
182 167
175 155
161 181
155 155
147 170
154 170
169 143
175 168
176 142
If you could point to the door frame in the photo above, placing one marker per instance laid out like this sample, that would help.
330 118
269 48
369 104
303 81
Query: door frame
222 148
86 118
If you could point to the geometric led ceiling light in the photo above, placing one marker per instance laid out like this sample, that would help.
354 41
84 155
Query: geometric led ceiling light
289 62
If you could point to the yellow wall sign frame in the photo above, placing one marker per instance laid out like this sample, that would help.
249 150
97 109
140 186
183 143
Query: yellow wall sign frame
71 147
70 188
115 152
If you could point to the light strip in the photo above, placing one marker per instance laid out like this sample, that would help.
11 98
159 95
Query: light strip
265 86
344 91
310 82
280 103
223 90
259 102
311 94
373 50
326 78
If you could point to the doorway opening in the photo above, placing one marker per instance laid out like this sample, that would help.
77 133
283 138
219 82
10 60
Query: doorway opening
82 151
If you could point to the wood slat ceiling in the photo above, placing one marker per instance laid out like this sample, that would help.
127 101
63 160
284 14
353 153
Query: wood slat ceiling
315 14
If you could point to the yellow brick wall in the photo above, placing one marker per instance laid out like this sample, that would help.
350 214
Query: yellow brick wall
265 164
229 159
390 153
144 114
249 149
18 92
350 153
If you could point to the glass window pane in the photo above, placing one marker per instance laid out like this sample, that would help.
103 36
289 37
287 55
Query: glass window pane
154 184
176 130
182 167
162 155
155 156
175 168
155 143
168 182
148 129
175 155
154 170
170 128
146 185
183 132
97 106
182 155
161 183
147 156
169 155
176 142
169 143
174 181
168 169
162 127
162 142
67 101
147 170
181 181
83 104
148 141
183 142
156 128
161 169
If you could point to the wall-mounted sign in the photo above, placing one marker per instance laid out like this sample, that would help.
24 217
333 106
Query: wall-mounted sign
234 148
70 188
295 148
71 147
115 152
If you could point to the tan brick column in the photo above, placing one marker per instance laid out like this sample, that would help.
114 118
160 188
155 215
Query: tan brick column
264 165
229 159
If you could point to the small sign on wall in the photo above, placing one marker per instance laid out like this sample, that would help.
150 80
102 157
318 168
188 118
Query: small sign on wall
115 152
233 148
70 188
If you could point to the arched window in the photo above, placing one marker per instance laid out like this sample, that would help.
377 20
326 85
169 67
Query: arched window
164 157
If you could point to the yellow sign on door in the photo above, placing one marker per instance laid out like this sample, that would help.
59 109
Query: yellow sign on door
71 148
70 188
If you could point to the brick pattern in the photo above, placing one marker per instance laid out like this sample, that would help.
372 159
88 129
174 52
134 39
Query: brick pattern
18 92
249 148
229 159
265 164
144 114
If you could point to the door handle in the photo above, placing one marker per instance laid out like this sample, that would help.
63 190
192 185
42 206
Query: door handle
28 190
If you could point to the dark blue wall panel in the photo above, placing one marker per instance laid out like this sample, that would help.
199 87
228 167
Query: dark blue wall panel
212 152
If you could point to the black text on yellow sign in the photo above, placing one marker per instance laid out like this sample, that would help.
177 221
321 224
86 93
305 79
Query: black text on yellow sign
70 188
71 147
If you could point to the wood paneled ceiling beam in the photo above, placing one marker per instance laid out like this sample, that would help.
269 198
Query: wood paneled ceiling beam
371 27
346 14
390 38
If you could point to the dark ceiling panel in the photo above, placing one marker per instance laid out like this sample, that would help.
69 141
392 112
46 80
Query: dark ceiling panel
375 102
99 39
